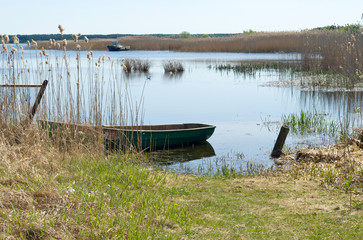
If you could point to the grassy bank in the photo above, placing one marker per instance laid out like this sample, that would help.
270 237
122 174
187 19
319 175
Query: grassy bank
46 194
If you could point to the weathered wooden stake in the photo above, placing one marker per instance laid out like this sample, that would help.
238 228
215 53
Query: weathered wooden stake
26 122
37 100
276 152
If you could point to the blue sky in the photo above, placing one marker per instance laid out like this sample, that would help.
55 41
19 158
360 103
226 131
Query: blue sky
169 16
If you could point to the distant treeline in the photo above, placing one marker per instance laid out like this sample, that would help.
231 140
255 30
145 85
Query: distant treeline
57 37
347 27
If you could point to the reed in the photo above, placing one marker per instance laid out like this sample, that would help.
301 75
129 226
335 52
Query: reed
251 68
173 67
76 93
341 55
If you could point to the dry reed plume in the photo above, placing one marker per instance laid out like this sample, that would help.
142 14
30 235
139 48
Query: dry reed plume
61 29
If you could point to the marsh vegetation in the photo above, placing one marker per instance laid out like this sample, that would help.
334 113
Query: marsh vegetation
68 187
173 67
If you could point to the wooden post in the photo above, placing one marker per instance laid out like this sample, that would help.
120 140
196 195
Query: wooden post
276 152
26 122
37 100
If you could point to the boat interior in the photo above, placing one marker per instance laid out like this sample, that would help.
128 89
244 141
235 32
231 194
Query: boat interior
162 127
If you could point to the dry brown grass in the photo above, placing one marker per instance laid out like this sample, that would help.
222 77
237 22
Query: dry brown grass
94 44
342 52
256 42
31 204
335 165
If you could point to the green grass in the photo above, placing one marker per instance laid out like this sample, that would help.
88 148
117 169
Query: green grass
253 68
256 209
305 122
114 198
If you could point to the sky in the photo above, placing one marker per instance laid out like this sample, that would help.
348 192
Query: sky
173 17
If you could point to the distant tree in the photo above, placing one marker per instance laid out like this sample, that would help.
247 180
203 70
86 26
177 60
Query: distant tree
346 28
248 31
185 34
205 36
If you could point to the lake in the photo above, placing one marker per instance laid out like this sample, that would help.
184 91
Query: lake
247 113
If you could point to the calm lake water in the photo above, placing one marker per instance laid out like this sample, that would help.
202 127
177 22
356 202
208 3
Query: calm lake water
247 115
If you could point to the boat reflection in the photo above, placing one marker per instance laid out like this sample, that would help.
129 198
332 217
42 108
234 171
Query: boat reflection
185 154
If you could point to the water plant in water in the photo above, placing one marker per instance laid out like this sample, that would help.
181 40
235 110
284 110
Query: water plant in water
310 122
135 65
252 68
173 67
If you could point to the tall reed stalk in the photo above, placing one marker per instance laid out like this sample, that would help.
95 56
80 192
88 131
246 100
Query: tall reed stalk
99 97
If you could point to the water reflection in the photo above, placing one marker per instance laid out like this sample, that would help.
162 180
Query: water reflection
186 154
333 101
170 75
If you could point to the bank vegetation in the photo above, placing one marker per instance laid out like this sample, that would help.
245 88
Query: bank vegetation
69 187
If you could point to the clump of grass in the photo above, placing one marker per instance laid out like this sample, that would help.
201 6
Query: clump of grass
254 67
335 165
127 65
358 134
310 122
173 67
136 65
141 65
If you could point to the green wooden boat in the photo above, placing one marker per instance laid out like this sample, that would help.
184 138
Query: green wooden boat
143 137
157 136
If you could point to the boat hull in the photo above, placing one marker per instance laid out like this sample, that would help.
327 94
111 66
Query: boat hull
146 137
116 48
157 136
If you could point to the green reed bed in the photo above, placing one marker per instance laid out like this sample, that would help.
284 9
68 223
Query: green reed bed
255 67
304 123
